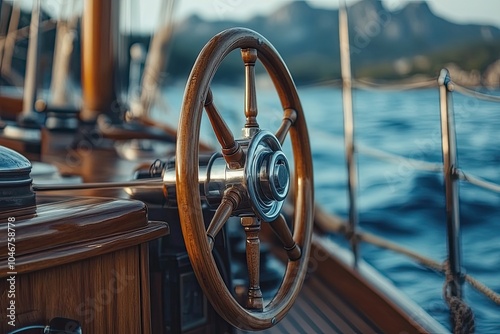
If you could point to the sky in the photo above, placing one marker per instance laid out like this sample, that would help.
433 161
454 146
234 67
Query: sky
145 13
460 11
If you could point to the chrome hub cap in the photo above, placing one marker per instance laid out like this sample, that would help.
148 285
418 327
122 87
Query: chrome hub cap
267 176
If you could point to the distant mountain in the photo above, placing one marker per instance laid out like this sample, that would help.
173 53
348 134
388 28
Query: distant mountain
384 44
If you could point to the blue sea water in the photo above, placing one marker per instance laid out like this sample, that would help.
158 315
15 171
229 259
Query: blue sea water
395 199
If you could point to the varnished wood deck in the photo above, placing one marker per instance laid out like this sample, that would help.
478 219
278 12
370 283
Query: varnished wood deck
319 309
335 298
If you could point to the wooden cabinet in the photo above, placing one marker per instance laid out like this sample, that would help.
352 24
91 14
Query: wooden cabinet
80 258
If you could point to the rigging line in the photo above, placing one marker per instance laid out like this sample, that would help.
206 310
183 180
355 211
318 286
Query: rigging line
422 165
477 181
386 156
347 101
473 93
4 23
9 43
157 59
396 85
322 83
395 158
23 33
400 85
337 225
366 84
481 287
329 223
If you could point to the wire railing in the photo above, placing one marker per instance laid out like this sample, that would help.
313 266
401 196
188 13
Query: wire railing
399 85
477 181
462 315
472 93
336 225
397 159
452 267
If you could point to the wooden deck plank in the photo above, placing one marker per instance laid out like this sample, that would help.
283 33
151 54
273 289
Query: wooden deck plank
295 321
345 309
315 314
309 321
319 310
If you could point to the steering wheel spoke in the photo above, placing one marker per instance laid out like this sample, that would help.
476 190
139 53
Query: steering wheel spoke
252 229
283 233
230 201
249 56
289 117
232 151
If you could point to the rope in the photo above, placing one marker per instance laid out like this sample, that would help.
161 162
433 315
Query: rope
402 85
333 224
396 85
495 297
380 242
478 181
395 158
328 223
476 94
425 166
462 317
322 83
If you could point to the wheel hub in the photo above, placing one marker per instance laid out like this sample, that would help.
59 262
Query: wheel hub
267 175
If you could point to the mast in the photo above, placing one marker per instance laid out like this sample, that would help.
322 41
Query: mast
99 38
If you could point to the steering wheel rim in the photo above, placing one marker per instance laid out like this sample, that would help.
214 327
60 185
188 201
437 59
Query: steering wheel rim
187 188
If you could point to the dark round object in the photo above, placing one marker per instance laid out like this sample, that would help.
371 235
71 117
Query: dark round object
15 181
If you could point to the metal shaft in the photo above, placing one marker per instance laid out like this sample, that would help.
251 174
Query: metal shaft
352 174
450 182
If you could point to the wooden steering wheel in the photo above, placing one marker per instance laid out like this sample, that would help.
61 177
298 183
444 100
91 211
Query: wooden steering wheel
257 180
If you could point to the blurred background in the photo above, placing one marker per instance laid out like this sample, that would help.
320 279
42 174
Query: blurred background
391 41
